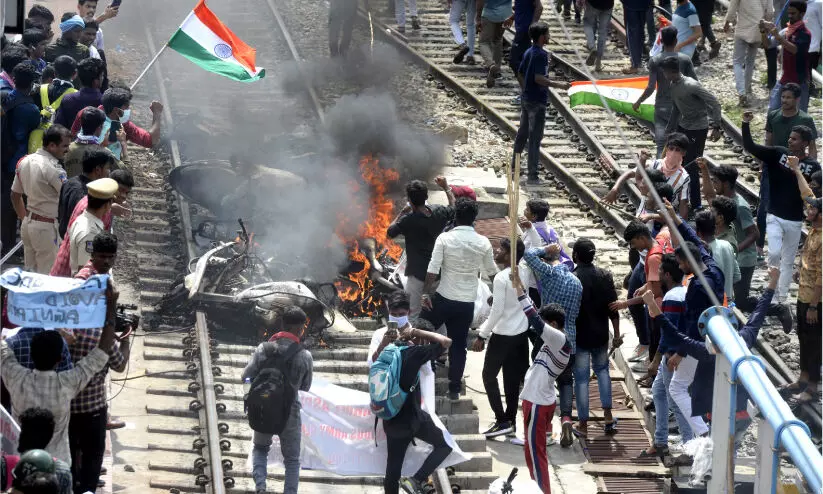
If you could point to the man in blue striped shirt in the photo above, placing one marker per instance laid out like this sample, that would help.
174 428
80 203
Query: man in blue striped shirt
557 285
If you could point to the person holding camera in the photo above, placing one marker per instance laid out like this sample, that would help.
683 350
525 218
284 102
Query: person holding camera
89 418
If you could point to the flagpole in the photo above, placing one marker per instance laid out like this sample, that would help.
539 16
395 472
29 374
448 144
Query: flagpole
153 60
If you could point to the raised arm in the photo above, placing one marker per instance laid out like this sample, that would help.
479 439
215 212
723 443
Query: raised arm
763 153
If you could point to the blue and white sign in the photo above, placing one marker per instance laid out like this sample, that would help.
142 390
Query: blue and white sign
41 301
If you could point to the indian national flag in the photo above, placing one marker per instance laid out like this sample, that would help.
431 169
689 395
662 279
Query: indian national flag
619 95
207 42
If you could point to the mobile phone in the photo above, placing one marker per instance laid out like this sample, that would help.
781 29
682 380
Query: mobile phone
391 329
116 3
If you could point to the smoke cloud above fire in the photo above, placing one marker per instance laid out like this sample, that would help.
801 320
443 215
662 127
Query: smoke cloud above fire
298 226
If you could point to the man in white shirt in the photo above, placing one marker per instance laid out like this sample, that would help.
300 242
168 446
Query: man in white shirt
506 331
458 256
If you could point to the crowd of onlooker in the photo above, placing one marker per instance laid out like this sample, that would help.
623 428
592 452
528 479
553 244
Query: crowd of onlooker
65 174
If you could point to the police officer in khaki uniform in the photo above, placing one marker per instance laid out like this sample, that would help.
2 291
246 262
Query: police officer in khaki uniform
40 177
101 193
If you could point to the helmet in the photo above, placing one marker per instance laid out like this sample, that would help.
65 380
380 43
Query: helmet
33 461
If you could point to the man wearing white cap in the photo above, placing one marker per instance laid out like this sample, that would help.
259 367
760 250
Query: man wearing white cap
101 192
40 177
71 27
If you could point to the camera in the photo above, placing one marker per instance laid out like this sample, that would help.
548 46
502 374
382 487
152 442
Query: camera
126 321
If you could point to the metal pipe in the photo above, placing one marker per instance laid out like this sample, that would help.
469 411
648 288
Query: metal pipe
763 394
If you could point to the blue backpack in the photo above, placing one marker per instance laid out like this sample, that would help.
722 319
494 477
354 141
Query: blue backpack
384 383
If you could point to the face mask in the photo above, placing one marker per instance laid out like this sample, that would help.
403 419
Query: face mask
126 116
401 321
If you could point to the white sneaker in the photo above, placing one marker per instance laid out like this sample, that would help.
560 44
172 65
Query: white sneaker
550 440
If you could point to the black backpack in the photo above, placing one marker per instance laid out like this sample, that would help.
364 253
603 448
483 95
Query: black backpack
9 144
272 394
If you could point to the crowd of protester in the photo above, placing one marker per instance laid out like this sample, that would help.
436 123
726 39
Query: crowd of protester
65 175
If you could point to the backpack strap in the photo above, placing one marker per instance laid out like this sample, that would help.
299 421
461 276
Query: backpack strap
59 100
44 96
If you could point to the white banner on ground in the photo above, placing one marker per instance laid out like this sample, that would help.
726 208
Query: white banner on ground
9 433
338 435
38 300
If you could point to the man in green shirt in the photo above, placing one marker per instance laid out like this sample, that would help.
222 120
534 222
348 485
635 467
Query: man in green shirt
725 212
721 182
779 123
71 27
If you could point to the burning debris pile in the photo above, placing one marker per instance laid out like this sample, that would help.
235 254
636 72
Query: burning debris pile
372 254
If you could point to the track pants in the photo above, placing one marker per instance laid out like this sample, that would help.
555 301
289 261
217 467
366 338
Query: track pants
397 446
679 391
87 442
537 422
510 353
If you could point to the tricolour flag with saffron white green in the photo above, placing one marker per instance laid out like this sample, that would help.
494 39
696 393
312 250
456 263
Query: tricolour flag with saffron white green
207 42
619 95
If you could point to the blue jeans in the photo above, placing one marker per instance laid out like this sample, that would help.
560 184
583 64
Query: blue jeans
565 384
289 448
662 403
596 25
635 32
638 311
774 97
532 123
598 360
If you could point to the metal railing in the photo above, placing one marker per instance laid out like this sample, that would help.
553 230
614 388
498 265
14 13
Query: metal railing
778 428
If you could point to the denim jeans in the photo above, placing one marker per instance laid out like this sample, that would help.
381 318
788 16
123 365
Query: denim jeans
596 359
743 60
662 404
635 32
638 311
457 8
774 97
662 115
596 22
565 383
532 123
289 448
400 11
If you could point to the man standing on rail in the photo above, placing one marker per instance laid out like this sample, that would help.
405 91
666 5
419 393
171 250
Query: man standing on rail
658 82
784 220
458 256
808 298
634 17
300 375
596 21
695 111
722 180
465 46
534 69
492 17
39 177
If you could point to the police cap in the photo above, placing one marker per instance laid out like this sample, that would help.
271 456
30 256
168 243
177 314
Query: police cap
104 188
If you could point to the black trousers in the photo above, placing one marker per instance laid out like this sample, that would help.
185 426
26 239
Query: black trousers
705 9
742 288
510 353
771 67
342 14
8 218
87 442
809 336
397 446
457 316
697 143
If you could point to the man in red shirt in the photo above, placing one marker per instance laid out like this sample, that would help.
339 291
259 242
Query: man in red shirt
795 40
134 133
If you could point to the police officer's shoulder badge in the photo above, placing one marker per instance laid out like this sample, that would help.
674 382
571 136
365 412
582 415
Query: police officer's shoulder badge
89 248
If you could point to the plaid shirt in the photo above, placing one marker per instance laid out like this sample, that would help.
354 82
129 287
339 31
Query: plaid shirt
557 285
93 397
20 344
50 390
62 264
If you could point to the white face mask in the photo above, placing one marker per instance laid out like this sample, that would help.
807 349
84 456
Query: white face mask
126 116
401 321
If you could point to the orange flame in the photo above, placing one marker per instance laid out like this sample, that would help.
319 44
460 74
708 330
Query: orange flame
358 287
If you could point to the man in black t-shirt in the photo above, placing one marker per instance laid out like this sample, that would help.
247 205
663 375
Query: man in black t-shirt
420 224
784 220
411 422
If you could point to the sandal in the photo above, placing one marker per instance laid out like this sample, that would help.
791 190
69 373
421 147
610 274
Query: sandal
660 452
611 427
645 381
788 390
